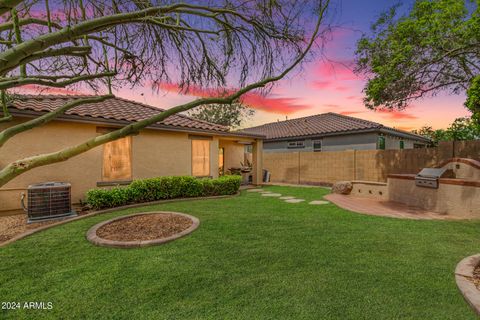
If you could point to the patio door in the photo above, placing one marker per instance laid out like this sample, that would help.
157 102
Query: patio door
200 158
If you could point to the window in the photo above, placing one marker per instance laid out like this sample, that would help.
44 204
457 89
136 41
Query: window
200 158
317 145
402 144
381 143
296 144
117 162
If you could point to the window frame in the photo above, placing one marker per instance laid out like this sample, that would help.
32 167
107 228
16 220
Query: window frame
317 141
297 144
381 143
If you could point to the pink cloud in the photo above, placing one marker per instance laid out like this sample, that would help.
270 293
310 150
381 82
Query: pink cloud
339 70
353 98
350 112
329 85
321 84
405 128
341 88
396 115
284 105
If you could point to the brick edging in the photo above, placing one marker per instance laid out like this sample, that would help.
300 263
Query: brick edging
463 277
99 241
94 213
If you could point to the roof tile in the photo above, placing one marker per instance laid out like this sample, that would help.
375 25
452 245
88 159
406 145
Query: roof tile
317 125
113 109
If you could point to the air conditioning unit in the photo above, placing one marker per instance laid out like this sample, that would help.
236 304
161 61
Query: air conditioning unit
48 200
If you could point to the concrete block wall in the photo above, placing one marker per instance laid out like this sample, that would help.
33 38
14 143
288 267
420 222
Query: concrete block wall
367 165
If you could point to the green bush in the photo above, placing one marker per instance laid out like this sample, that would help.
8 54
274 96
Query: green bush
162 188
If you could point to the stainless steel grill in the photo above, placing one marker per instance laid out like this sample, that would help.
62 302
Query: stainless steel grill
49 200
428 177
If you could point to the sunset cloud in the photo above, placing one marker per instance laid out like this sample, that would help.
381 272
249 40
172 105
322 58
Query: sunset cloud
350 112
337 70
396 114
282 105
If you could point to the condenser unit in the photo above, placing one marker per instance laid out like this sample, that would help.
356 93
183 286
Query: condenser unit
48 200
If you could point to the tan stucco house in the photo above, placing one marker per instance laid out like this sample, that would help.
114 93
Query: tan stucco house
177 146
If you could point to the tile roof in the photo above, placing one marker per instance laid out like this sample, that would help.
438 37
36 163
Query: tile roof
318 125
115 109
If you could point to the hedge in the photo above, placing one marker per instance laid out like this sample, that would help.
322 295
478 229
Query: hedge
162 188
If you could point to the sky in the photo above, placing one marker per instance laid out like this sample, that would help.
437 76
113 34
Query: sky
327 84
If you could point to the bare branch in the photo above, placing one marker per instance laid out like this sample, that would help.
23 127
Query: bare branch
52 83
18 167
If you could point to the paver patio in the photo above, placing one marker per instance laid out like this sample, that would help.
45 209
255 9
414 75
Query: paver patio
382 208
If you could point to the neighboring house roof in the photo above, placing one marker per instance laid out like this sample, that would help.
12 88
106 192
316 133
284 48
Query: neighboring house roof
323 125
115 111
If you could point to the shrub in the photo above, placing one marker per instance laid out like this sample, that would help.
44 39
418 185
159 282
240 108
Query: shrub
161 188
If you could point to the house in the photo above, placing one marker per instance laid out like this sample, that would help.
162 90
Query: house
179 145
333 132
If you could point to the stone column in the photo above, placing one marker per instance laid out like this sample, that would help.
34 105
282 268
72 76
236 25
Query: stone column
257 163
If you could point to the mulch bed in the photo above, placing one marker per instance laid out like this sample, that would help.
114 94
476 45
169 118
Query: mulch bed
11 226
144 227
476 277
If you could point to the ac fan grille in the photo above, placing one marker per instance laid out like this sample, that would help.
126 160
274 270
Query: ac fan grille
49 200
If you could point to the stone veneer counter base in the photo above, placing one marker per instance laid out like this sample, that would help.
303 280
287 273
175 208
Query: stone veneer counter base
108 233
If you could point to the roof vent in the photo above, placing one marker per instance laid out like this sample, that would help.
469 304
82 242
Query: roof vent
48 200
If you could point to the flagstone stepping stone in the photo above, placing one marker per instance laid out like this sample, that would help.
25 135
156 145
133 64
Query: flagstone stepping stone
255 190
286 197
294 200
271 195
318 202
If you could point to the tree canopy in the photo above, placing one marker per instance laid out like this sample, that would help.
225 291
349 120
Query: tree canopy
460 129
232 115
231 46
433 48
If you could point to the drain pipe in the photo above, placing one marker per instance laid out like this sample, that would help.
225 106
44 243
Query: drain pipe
22 200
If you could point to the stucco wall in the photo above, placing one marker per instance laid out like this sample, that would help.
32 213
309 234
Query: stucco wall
82 171
455 200
154 153
233 153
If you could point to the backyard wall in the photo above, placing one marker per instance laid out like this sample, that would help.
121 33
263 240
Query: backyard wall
369 165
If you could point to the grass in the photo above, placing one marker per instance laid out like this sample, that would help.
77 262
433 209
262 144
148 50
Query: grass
253 257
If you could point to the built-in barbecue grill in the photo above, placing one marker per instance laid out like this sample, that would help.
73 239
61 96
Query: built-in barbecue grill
48 200
428 177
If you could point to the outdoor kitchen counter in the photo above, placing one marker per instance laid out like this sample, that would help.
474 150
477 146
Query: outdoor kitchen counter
455 197
459 182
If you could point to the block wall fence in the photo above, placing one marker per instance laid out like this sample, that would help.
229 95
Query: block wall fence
319 168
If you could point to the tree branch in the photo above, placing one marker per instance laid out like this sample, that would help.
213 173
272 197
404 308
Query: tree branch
52 83
20 166
6 114
23 22
7 5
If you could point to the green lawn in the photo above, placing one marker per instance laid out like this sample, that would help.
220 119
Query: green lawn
252 257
